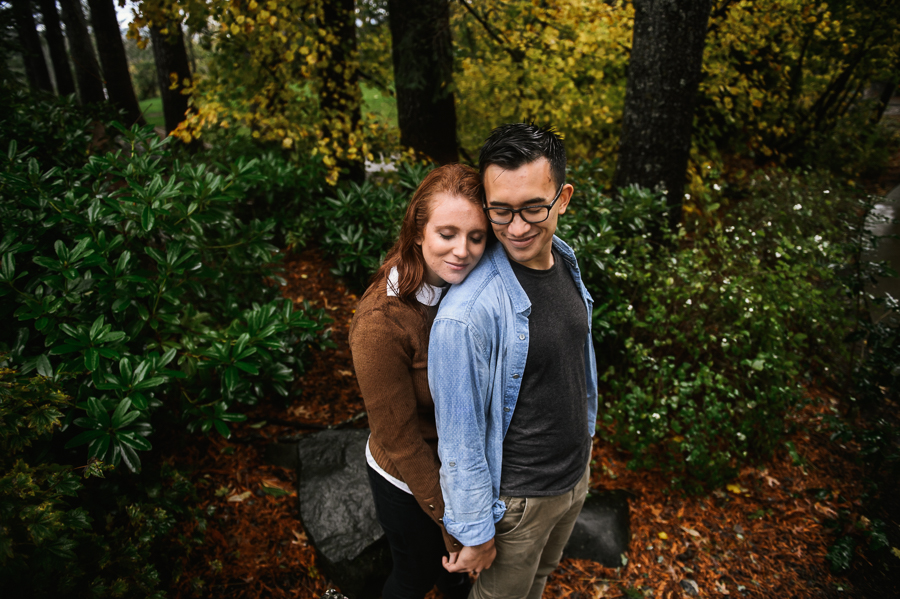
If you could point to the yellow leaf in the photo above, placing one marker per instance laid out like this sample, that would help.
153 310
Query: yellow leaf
736 489
253 4
662 536
235 29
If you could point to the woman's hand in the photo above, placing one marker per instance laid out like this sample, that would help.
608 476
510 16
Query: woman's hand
471 559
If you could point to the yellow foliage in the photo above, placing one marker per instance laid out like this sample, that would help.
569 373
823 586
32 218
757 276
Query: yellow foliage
252 79
559 62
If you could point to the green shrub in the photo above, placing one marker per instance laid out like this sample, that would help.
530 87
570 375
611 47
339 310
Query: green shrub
137 299
361 222
50 545
135 285
703 339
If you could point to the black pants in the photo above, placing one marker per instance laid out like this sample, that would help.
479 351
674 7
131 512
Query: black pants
416 545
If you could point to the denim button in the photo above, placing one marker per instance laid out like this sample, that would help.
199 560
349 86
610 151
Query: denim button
506 409
515 376
522 337
452 464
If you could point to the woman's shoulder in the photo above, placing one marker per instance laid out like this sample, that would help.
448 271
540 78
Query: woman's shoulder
380 309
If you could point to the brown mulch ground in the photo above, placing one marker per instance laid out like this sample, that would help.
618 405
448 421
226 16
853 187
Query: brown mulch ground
764 535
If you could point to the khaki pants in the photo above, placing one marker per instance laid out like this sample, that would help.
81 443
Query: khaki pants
530 538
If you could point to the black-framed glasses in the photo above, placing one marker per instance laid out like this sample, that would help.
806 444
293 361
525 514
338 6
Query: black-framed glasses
530 214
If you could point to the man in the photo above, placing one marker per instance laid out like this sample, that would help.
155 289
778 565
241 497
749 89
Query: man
514 379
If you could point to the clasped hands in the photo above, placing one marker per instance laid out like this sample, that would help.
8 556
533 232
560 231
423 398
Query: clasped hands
471 559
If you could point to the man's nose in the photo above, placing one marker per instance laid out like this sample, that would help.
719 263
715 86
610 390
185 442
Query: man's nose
519 226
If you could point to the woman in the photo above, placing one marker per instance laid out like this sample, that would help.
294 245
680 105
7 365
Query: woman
443 235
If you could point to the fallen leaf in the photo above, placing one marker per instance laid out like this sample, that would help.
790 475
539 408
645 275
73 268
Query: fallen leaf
274 489
240 497
736 489
720 588
662 536
691 531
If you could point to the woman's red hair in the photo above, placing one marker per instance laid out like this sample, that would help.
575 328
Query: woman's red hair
453 179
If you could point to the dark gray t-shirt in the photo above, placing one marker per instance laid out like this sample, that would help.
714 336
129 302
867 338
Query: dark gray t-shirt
548 445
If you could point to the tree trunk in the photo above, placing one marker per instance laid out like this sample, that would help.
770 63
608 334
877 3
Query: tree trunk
113 60
663 76
340 97
87 70
171 57
422 51
32 55
65 85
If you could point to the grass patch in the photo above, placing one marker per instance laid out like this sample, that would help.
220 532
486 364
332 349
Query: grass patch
379 103
153 112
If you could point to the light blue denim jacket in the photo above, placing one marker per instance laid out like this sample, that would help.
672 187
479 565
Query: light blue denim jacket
476 356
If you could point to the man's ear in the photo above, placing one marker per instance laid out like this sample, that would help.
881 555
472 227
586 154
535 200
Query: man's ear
565 196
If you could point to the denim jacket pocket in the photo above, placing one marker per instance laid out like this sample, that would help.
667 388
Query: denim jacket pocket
515 513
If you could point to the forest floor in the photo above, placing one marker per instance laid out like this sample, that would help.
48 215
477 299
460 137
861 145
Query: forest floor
766 534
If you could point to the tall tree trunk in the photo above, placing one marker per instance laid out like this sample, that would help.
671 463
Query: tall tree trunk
87 69
663 75
65 84
340 96
422 50
113 60
171 57
32 55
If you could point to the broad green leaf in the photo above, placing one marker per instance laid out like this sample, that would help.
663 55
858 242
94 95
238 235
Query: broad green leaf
91 359
119 413
95 327
43 366
99 446
222 428
135 441
247 367
230 378
9 266
130 457
148 219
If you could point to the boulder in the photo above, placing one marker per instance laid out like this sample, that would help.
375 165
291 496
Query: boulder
602 530
337 509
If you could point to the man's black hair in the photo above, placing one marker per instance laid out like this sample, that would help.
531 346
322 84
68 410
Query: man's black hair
517 144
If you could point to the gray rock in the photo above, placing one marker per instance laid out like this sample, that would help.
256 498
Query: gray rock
337 509
602 530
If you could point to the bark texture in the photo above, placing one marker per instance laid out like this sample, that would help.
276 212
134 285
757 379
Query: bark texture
113 60
87 70
171 57
35 65
422 51
340 97
65 84
663 76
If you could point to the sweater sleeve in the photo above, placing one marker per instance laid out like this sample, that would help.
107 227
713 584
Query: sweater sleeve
382 357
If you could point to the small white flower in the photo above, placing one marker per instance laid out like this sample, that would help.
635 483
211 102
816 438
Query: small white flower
797 206
716 187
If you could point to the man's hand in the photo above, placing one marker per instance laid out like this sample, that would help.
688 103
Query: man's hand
472 559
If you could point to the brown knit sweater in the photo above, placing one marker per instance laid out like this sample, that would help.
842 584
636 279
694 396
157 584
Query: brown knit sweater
389 342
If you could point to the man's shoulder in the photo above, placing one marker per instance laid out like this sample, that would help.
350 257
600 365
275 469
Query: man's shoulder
480 291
